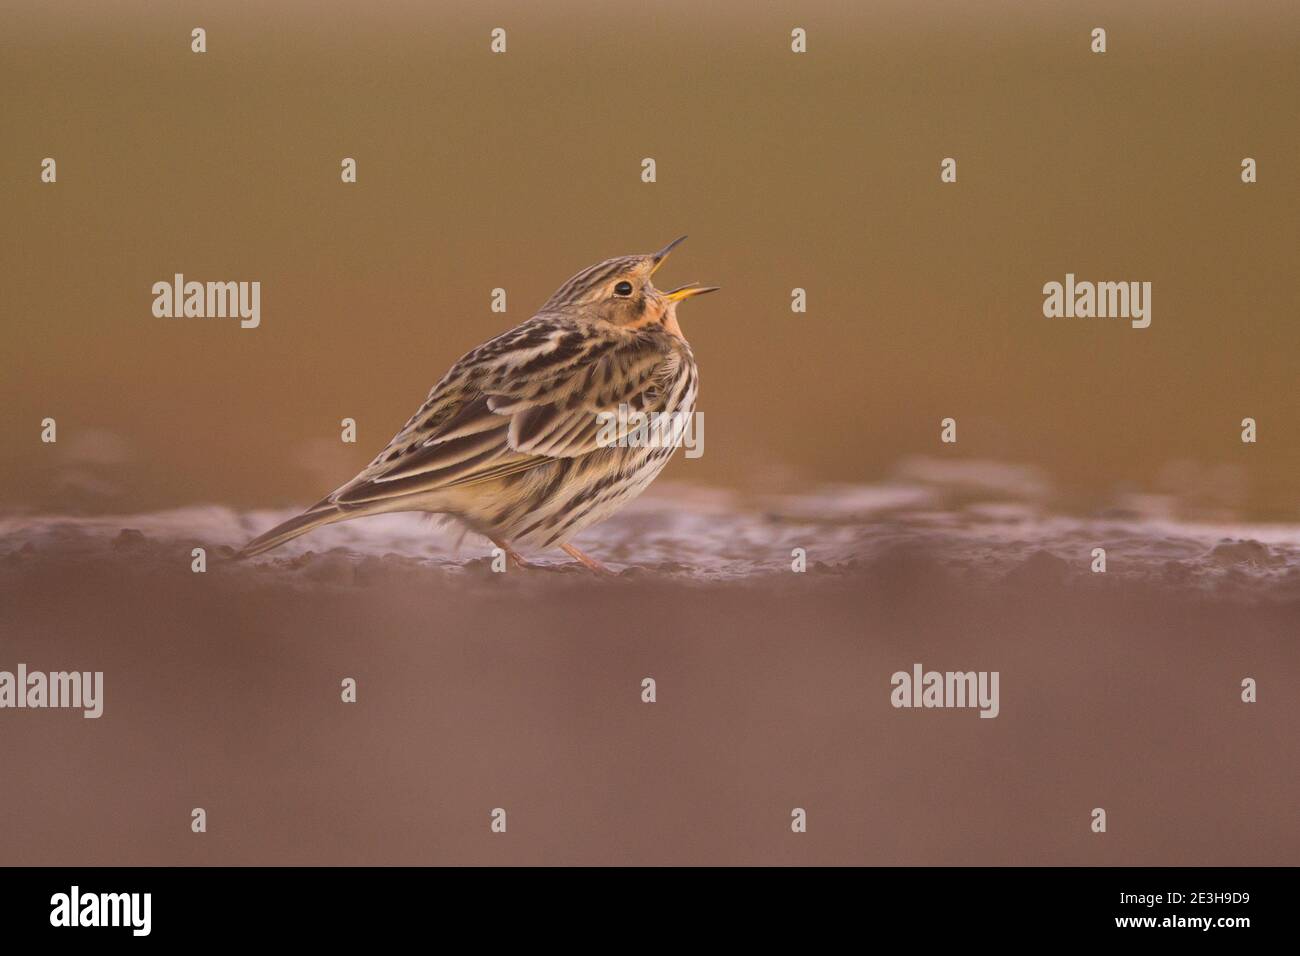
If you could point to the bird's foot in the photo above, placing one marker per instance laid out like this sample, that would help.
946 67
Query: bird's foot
514 556
590 563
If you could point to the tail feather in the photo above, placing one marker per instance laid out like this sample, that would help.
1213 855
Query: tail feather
322 514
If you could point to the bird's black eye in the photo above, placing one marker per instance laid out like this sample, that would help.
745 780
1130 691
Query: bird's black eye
623 288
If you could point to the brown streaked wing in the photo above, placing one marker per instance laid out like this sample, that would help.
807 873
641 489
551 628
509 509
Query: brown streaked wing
517 419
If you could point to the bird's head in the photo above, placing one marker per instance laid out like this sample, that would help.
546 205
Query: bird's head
620 291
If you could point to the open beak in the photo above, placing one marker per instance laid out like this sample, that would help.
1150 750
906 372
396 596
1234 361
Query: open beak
688 290
661 256
681 292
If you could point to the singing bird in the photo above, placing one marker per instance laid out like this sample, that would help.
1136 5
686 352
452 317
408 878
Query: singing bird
509 442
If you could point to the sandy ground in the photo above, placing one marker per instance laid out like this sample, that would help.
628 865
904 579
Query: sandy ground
522 690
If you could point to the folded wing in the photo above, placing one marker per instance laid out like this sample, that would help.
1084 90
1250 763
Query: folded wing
526 398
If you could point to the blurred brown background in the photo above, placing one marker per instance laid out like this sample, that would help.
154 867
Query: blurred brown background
817 170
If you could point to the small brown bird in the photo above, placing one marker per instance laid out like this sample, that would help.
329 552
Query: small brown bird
510 442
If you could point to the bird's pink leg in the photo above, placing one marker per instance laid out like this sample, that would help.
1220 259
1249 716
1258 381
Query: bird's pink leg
590 563
515 557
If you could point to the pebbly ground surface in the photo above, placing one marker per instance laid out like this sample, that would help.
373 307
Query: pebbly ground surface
709 536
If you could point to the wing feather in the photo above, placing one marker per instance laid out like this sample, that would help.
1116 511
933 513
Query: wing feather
520 401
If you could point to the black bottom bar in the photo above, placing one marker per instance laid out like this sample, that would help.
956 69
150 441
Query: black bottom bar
333 905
